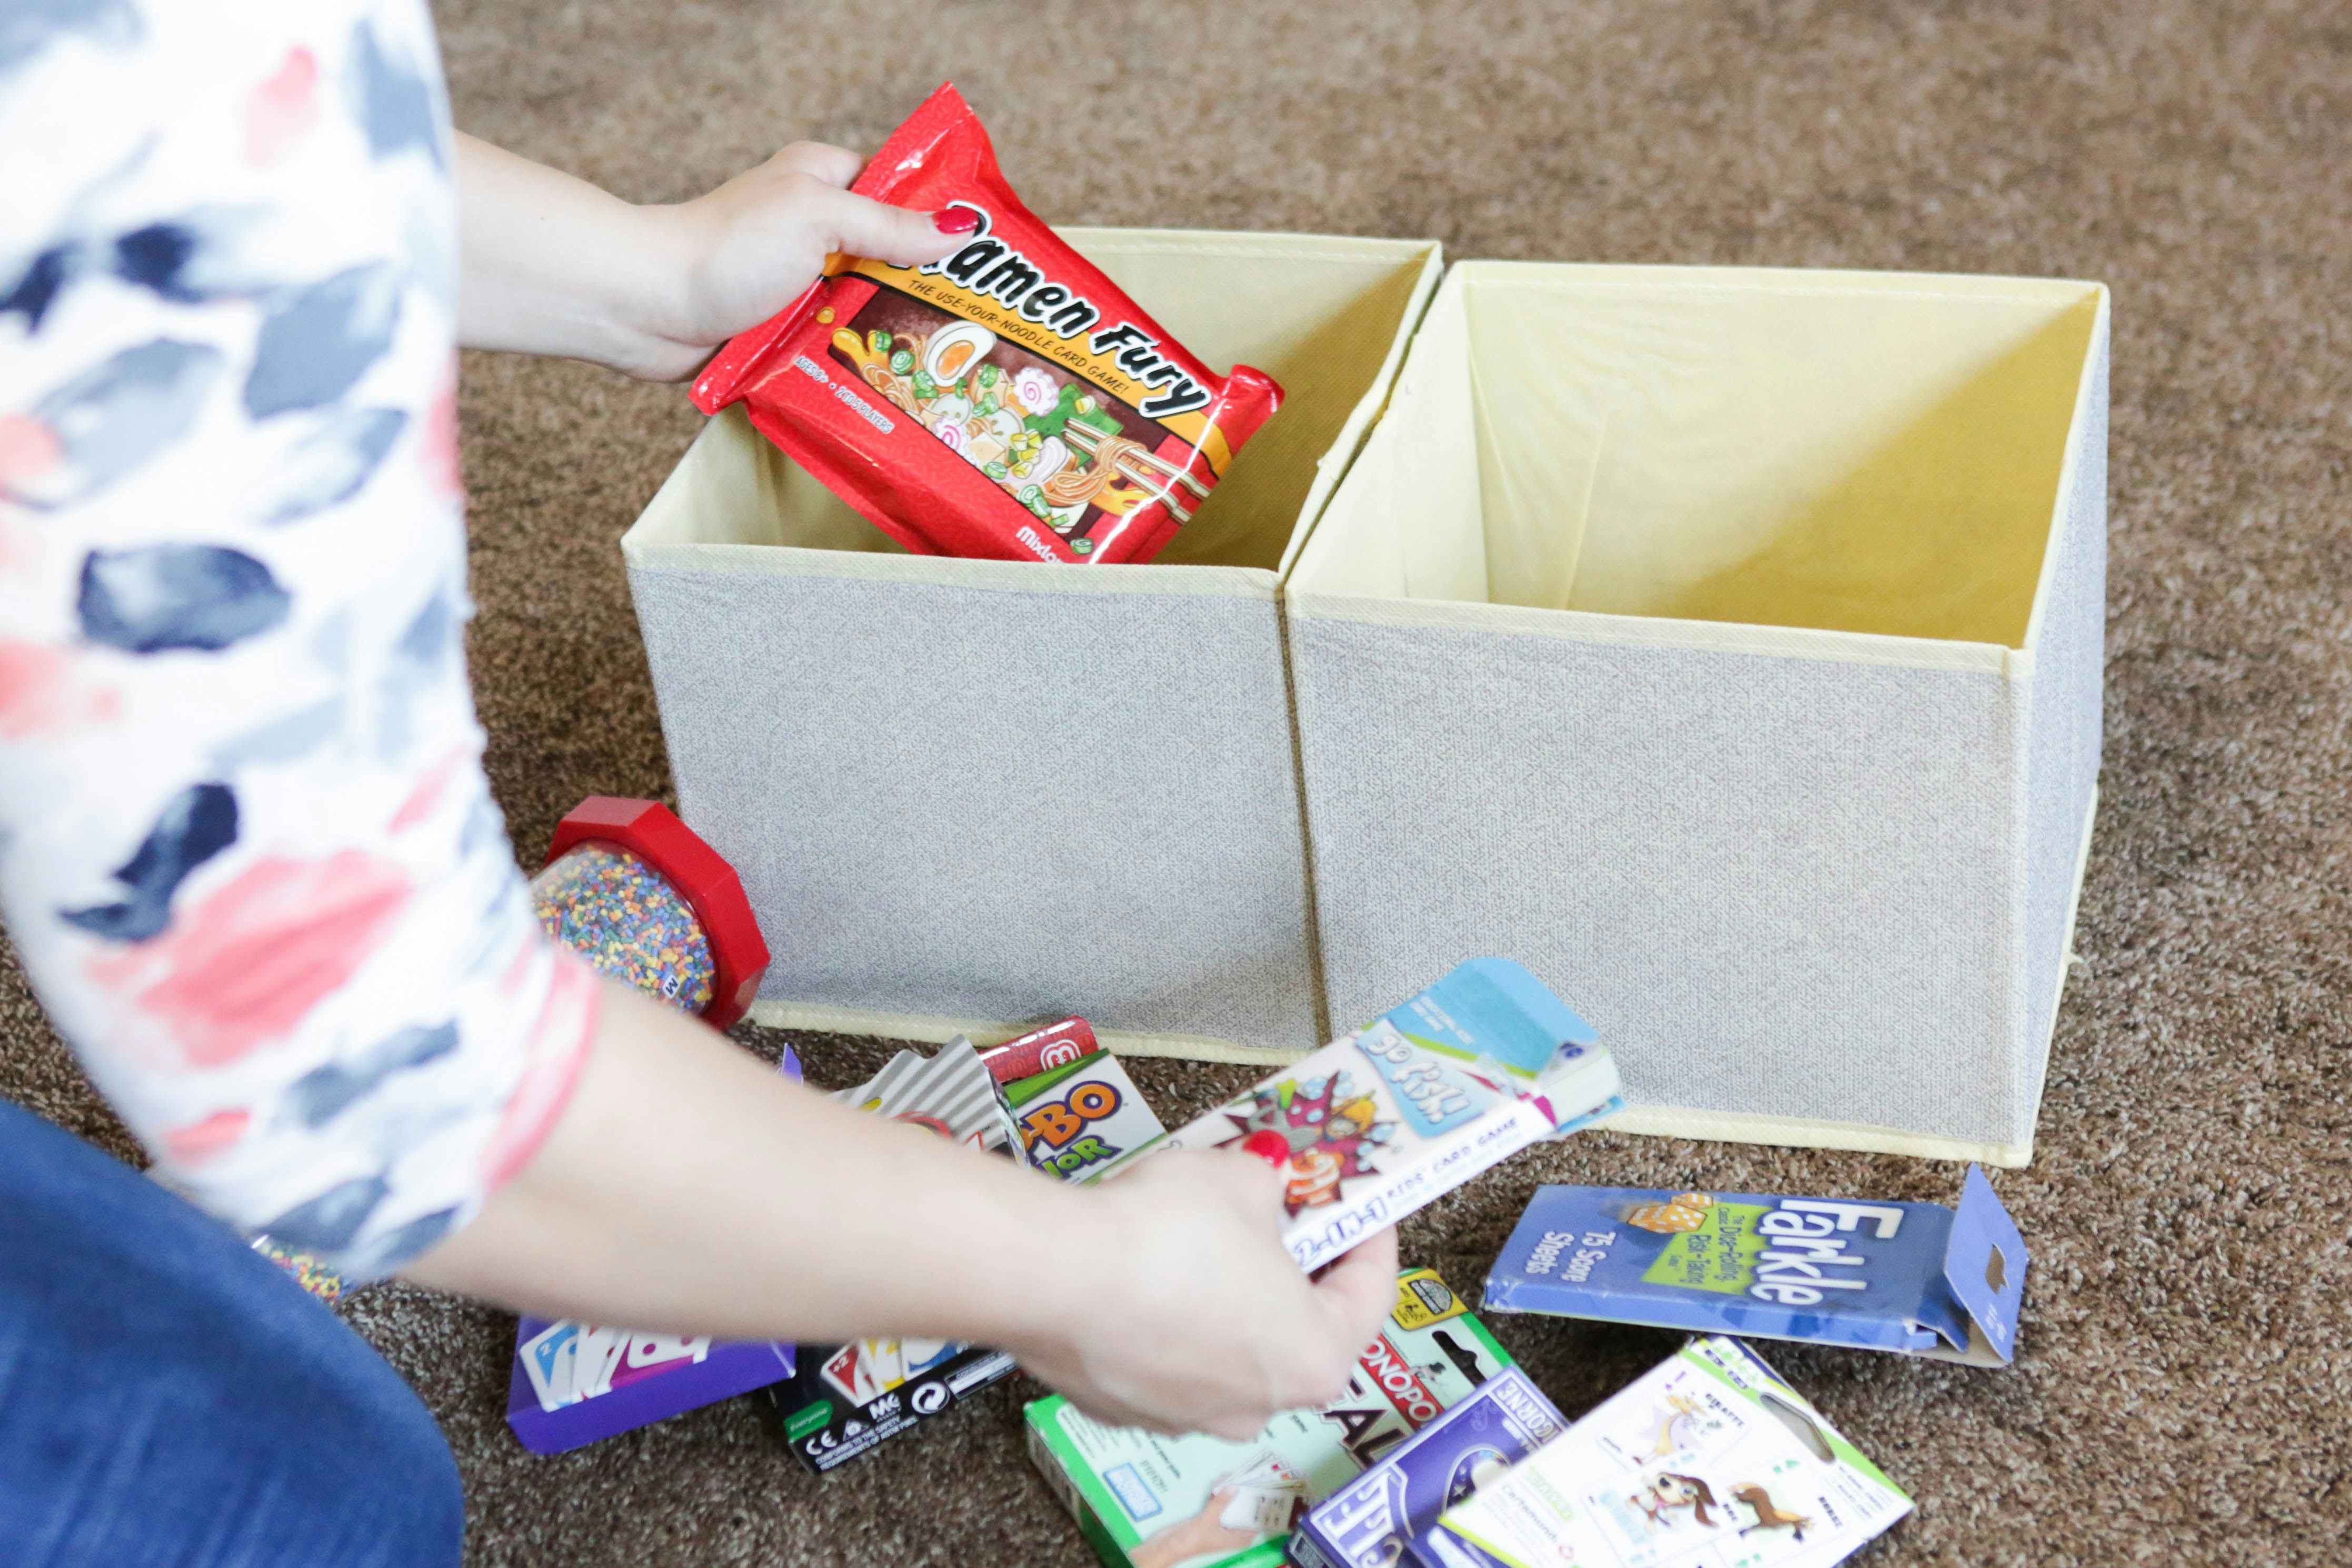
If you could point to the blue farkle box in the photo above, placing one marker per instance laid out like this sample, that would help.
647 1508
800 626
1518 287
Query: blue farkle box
1916 1277
1371 1522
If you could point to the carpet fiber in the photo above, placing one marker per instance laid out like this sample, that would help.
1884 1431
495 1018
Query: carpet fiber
2185 1382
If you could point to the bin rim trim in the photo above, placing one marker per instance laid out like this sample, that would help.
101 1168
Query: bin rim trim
1820 644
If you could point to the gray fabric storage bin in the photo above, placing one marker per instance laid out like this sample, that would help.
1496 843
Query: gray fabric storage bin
974 795
1726 646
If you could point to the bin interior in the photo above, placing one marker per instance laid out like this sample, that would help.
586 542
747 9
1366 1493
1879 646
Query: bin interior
1874 452
1322 315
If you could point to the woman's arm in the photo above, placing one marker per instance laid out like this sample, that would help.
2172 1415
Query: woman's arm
248 851
688 1187
552 265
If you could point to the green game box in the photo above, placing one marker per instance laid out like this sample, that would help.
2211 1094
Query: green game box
1144 1500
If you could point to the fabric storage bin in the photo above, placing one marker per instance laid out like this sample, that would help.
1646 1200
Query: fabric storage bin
1726 646
969 795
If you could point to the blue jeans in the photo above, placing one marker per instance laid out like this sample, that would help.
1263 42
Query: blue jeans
169 1396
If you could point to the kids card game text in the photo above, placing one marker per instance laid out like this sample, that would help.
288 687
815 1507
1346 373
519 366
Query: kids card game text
1387 1119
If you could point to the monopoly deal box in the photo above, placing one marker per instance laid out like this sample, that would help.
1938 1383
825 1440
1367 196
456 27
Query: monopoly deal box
1726 645
1918 1279
979 792
1145 1501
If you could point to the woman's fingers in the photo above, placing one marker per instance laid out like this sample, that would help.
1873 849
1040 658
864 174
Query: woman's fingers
1361 1291
859 227
1356 1296
821 160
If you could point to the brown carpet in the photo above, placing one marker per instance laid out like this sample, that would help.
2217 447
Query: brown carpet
2186 1380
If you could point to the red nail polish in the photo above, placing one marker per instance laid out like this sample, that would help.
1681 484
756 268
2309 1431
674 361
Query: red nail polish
955 220
1268 1145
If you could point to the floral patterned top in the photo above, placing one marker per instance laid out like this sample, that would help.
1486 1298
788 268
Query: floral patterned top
247 849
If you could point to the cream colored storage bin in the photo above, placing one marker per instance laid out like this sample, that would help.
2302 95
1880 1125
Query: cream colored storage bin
1726 646
975 794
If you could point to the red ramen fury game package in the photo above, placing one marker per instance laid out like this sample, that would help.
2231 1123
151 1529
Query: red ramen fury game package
1418 1102
1144 1500
1006 402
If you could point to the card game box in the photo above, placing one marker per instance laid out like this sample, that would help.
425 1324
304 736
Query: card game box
1373 1520
1920 1279
1710 1460
951 1092
573 1384
1429 1095
845 1399
1144 1500
1078 1120
1041 1049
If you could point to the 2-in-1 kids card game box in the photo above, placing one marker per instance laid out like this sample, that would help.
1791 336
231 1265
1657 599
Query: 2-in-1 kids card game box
1707 1461
1144 1500
1428 1095
1916 1277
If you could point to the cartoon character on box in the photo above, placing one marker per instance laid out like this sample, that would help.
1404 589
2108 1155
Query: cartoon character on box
1768 1516
1327 1129
1672 1498
1668 1492
1681 1424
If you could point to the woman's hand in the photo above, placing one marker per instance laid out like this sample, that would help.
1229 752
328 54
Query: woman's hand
1201 1536
751 246
553 265
1185 1312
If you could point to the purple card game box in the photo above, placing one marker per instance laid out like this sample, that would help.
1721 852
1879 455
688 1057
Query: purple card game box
1371 1521
576 1384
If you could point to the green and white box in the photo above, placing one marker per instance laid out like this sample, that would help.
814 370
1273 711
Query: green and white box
1143 1500
1710 1460
1725 646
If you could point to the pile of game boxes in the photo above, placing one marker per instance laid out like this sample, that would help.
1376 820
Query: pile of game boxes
1442 1453
1054 1097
